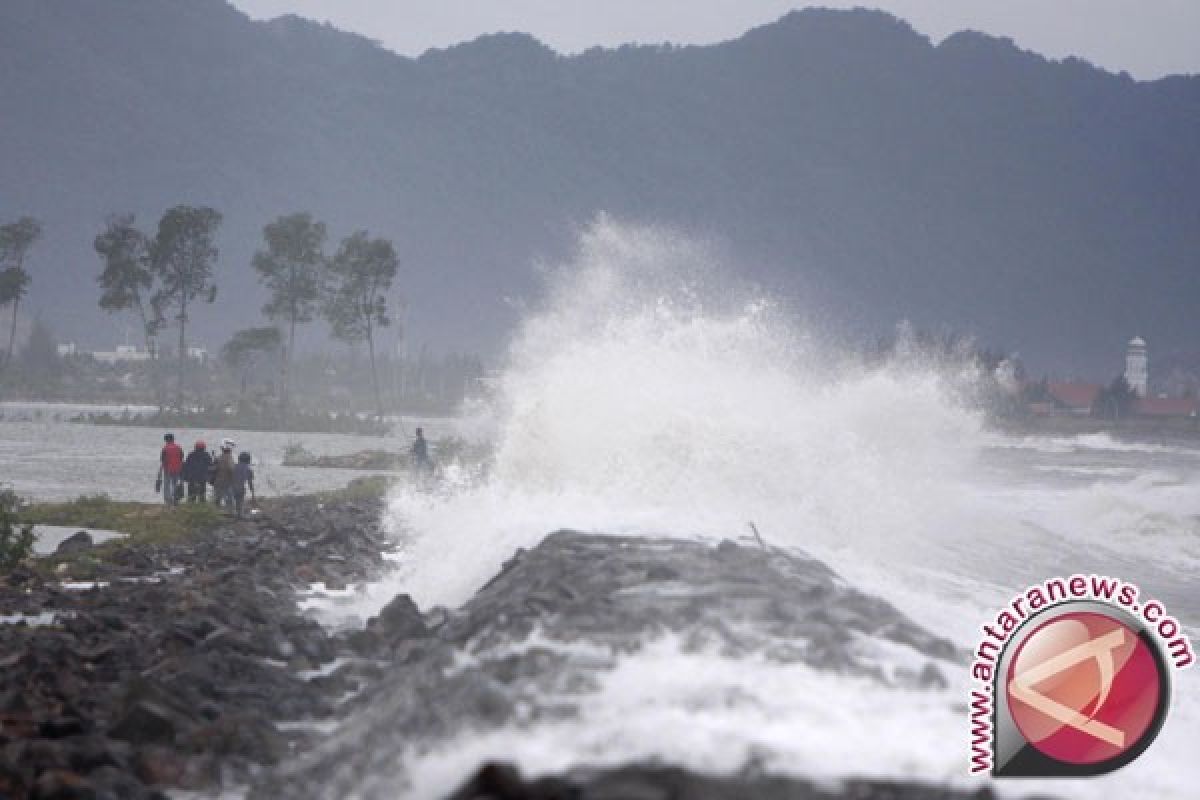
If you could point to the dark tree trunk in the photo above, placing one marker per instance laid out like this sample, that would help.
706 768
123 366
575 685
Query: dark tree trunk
374 374
285 376
182 352
153 351
12 332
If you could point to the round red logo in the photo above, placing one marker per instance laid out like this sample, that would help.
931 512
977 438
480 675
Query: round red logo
1085 688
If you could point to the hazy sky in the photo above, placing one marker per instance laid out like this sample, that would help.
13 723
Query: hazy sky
1148 38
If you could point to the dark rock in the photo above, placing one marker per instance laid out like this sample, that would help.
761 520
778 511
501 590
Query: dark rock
146 723
62 785
661 572
61 727
75 543
243 735
91 752
160 766
112 783
400 619
658 782
932 678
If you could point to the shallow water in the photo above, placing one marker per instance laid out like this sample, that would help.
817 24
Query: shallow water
44 457
49 537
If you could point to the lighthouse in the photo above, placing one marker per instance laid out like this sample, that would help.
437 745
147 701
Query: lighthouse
1135 365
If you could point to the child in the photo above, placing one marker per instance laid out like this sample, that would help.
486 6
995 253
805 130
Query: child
243 476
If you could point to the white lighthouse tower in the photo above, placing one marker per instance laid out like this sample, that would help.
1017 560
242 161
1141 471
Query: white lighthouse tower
1135 365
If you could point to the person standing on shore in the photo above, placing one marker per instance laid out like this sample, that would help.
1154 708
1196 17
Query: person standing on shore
222 479
421 462
170 470
243 476
195 472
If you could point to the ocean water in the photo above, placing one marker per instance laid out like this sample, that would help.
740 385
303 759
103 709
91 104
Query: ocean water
45 457
647 396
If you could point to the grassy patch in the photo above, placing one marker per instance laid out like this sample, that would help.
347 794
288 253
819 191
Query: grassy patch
372 487
145 523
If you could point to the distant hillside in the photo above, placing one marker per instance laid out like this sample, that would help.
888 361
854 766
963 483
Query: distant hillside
1050 207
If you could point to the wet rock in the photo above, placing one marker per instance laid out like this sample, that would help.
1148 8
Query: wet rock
61 727
585 595
400 619
146 723
658 782
160 766
77 542
62 785
112 783
178 681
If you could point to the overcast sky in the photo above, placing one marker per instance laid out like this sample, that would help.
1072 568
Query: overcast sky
1148 38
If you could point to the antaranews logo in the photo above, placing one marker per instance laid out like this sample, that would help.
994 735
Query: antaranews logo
1072 679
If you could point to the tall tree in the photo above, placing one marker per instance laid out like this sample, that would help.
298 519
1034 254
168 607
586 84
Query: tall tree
360 276
290 268
15 240
127 277
182 256
39 359
246 349
127 280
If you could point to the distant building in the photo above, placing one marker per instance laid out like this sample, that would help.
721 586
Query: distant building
66 349
1136 371
1074 398
1166 407
198 354
124 352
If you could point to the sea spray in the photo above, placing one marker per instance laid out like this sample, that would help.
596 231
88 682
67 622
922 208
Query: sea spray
650 394
649 397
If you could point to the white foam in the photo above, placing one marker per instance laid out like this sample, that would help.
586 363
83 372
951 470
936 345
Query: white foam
635 403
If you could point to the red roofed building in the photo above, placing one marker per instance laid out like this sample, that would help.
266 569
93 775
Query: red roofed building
1166 406
1078 398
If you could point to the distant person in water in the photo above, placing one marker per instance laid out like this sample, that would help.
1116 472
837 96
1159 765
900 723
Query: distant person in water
196 468
222 475
421 462
170 470
243 477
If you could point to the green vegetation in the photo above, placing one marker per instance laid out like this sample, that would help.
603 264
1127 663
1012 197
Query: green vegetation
182 258
158 280
16 539
295 452
127 278
372 488
246 353
15 240
144 523
245 418
290 268
360 275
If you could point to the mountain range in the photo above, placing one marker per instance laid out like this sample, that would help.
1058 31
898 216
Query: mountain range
846 161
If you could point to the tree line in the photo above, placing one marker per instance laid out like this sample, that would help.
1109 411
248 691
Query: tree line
164 276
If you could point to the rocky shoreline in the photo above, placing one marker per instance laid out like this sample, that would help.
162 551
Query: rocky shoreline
534 642
189 666
173 664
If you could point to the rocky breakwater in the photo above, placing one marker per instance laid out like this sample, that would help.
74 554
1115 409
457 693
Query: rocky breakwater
534 644
174 663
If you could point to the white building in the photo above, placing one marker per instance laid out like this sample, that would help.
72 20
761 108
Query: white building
1136 365
124 352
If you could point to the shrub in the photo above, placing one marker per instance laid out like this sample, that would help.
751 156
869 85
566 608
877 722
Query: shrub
16 540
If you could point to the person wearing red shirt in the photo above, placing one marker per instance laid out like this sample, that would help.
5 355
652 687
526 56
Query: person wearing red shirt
170 470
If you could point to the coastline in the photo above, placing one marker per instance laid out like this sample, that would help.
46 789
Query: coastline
182 662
